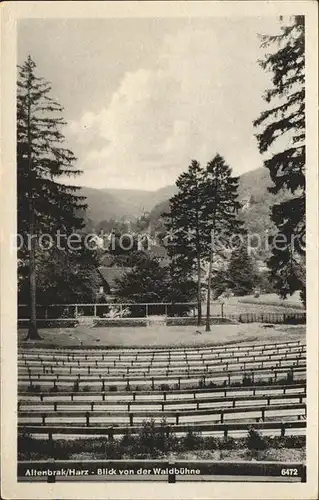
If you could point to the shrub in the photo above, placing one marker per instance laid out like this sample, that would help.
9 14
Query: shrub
164 387
121 322
86 388
227 443
212 384
201 383
246 380
211 443
34 388
146 439
113 450
113 388
255 440
290 378
192 440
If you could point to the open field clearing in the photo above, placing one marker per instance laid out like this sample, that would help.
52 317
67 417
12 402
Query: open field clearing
265 303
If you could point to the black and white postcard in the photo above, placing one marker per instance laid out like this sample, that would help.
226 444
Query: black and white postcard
159 266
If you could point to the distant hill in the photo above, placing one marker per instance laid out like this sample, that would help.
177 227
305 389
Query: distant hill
255 183
105 204
255 198
253 193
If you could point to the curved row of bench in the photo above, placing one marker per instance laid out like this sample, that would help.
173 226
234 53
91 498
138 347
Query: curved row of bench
197 402
58 372
226 429
171 395
99 409
135 363
158 351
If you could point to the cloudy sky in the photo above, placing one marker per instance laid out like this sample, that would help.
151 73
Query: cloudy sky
143 97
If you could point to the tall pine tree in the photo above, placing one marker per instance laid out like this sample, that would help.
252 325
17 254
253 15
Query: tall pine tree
242 272
45 205
283 137
188 230
220 214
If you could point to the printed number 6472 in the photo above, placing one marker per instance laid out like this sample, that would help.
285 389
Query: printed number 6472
289 472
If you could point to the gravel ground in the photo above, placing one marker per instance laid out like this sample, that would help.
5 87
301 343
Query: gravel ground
163 335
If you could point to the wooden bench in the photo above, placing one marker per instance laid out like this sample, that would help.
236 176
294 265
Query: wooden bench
111 431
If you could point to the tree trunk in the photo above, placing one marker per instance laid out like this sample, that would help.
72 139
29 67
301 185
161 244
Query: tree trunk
33 331
207 329
199 292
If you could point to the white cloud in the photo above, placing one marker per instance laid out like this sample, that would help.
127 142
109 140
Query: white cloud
201 98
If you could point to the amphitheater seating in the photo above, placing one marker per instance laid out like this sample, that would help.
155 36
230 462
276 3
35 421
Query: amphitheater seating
219 389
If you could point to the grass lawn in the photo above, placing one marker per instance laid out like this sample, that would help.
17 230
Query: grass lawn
162 335
266 303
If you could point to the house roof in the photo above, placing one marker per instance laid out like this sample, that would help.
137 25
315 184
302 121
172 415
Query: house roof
111 274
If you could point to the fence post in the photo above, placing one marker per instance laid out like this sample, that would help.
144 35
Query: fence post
51 444
171 477
95 310
87 416
110 433
131 419
146 310
76 311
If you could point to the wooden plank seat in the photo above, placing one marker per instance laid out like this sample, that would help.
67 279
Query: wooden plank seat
151 369
40 353
120 430
198 403
163 395
159 364
85 378
129 417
